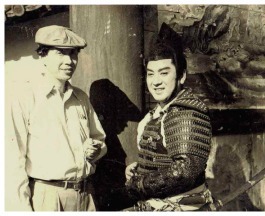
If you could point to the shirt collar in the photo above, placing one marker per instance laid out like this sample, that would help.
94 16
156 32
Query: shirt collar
49 88
156 112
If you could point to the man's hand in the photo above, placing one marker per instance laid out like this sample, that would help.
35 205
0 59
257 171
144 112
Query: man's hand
130 170
92 151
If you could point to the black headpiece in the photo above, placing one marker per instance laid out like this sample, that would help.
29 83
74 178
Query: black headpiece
168 45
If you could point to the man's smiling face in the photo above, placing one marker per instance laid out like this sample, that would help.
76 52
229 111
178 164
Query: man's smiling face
161 79
61 63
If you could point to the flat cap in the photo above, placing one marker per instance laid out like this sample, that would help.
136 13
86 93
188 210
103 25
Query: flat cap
59 36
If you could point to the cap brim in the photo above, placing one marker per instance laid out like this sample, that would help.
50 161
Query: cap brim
65 47
61 47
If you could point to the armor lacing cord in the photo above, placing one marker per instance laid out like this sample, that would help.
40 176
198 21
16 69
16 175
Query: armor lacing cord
140 185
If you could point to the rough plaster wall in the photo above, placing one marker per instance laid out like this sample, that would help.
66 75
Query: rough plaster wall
225 53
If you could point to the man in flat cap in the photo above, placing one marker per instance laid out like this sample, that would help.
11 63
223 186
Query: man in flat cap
54 136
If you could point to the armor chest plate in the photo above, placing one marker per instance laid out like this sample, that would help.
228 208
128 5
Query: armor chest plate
152 155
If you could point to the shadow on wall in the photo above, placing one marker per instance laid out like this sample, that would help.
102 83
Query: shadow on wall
114 110
229 178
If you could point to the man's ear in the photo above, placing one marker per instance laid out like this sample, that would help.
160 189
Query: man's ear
183 78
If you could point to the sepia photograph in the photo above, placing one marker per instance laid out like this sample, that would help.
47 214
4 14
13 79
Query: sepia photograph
134 107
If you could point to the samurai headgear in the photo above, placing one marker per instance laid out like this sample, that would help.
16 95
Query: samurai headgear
168 45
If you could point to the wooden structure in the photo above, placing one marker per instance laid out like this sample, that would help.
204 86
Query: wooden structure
114 52
110 71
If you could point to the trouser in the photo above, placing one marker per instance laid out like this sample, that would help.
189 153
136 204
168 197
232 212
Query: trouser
52 198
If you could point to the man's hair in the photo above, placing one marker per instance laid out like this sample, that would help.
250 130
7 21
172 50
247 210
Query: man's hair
43 50
164 51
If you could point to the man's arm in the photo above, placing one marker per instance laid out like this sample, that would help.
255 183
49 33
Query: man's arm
188 139
96 131
185 173
17 190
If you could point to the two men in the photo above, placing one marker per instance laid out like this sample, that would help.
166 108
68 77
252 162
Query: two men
53 136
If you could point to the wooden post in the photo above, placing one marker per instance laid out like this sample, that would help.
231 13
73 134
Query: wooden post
113 56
